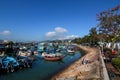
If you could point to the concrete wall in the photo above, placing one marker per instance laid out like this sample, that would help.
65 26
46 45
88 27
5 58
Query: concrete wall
105 75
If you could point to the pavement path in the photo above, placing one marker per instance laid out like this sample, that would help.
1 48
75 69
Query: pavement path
82 71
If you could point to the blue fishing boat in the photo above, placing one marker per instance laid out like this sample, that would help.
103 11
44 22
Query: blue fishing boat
41 47
9 64
24 61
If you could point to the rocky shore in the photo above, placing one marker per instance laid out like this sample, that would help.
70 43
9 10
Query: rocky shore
86 68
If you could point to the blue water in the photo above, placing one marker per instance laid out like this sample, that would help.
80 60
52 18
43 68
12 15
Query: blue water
41 69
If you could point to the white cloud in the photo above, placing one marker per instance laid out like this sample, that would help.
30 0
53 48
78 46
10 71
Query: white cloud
51 34
68 37
72 37
5 32
59 33
60 30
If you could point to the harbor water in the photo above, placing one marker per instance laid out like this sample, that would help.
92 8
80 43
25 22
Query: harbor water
41 69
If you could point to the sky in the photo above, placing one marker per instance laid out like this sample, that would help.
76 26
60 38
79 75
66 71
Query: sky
38 20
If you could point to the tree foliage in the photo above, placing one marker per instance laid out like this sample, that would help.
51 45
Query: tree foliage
93 36
109 22
108 28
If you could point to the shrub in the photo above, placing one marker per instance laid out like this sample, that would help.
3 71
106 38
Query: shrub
116 62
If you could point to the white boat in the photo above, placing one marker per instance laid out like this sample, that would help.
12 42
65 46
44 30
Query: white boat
24 53
70 51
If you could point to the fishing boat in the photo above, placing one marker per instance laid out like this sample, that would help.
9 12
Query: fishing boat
24 58
24 53
41 47
9 64
71 49
52 57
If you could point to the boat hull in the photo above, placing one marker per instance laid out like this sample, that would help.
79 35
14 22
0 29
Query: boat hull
53 58
71 51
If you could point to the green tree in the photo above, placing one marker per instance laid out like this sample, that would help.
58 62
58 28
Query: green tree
85 39
93 36
77 40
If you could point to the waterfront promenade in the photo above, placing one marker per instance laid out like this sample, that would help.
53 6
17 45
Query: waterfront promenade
89 67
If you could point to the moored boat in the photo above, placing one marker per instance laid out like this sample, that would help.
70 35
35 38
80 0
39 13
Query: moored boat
9 64
71 49
52 57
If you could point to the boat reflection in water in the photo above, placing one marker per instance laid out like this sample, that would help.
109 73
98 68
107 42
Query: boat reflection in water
41 69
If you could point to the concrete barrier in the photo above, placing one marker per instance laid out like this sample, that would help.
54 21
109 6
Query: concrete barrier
104 70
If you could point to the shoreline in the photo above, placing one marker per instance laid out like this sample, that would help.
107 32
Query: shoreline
87 67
